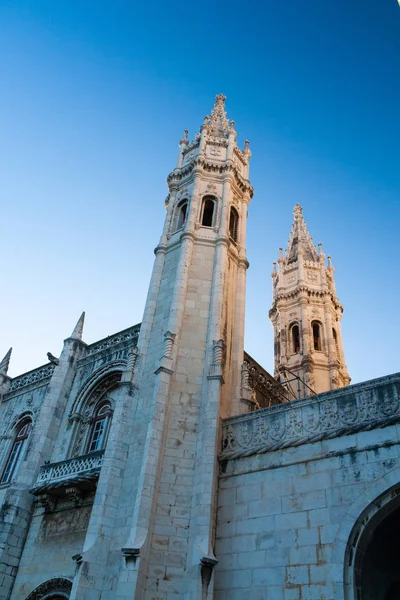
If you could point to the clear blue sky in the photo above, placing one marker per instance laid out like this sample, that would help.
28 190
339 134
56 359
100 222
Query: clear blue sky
94 98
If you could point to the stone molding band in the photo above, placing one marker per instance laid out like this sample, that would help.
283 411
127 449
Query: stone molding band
370 405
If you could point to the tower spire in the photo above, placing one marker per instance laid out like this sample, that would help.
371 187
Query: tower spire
78 329
300 239
4 364
218 123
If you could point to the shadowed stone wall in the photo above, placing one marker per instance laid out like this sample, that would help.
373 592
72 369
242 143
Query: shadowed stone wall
293 481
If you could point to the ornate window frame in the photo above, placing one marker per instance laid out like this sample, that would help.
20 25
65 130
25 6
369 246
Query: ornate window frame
89 402
23 424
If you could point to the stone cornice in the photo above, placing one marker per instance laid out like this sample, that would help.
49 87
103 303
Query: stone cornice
369 405
206 165
304 289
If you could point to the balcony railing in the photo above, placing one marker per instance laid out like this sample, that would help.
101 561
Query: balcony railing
81 472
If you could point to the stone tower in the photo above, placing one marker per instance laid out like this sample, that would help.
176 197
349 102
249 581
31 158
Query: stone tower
306 315
190 356
184 377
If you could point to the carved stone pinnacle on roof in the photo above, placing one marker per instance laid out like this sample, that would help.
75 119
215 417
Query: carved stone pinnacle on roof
78 329
300 239
4 364
218 123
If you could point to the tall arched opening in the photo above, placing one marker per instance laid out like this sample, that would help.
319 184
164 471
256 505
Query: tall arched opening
372 561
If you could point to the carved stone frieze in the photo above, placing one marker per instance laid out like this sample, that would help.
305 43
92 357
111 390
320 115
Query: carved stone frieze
340 412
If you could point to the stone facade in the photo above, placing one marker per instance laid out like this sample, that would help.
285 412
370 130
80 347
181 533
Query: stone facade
163 462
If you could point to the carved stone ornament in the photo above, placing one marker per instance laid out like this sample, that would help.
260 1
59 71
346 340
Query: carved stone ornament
332 414
59 587
75 495
312 276
95 396
216 367
46 502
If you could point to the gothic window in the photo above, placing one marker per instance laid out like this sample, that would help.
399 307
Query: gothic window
295 338
180 216
92 416
207 211
316 333
100 425
16 451
233 224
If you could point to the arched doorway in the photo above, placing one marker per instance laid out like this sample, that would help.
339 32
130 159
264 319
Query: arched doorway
373 559
52 589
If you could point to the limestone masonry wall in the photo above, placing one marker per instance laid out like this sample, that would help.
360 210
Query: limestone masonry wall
285 516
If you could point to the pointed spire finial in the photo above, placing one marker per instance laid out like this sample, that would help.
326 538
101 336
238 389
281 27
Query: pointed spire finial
184 141
4 364
217 123
78 329
298 211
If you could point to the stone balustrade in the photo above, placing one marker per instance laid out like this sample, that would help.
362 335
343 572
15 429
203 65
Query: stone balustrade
78 471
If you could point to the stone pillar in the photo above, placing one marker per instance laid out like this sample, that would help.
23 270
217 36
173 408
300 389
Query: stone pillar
18 502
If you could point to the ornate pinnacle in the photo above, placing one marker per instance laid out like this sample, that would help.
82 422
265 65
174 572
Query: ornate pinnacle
217 123
298 211
78 329
184 141
4 364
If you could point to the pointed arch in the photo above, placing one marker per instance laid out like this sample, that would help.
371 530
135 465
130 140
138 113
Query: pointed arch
93 414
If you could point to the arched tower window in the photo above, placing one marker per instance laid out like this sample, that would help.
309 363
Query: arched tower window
180 216
100 426
16 452
233 224
334 335
207 211
295 338
316 333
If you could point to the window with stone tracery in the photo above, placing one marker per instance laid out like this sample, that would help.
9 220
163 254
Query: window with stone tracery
92 417
17 451
100 426
208 211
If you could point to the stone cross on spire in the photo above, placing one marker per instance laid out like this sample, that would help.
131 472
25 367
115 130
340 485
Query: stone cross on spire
300 239
218 123
4 364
